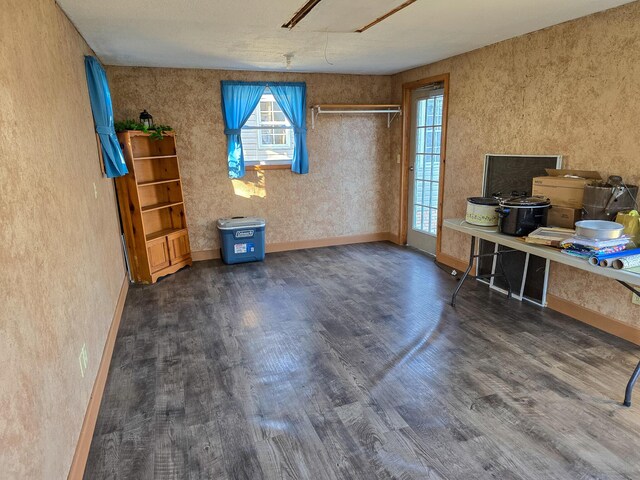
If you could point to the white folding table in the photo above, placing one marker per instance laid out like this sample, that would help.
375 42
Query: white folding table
491 234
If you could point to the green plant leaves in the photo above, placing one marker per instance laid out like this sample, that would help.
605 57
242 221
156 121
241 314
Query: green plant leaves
156 132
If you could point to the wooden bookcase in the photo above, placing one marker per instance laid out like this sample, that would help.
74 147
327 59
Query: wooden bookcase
152 207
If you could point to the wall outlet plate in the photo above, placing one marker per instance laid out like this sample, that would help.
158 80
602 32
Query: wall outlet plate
83 358
635 299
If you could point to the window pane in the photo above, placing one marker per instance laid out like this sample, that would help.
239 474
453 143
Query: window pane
427 167
428 140
265 112
420 140
417 217
437 139
435 171
267 136
430 111
433 200
438 112
418 169
417 193
422 112
425 215
427 193
270 112
433 221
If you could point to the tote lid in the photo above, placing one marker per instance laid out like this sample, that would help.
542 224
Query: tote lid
240 222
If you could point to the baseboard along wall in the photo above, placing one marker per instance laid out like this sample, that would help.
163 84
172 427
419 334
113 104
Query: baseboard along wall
302 244
81 454
595 319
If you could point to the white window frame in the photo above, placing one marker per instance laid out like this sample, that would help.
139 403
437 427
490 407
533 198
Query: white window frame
269 125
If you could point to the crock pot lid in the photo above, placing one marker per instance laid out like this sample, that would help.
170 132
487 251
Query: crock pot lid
526 201
483 200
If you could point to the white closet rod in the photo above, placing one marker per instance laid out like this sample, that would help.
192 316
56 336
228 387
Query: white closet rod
318 109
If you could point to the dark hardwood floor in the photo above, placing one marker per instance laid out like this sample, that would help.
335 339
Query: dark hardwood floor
348 363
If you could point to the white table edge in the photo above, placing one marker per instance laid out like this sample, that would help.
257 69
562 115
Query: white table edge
491 234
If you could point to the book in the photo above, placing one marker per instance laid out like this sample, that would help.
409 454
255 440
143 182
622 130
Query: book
595 244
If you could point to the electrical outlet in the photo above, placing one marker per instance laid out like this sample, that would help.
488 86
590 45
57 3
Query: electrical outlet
95 190
398 159
635 299
83 358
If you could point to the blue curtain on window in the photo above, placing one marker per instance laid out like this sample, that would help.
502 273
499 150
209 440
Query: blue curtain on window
239 100
292 99
102 109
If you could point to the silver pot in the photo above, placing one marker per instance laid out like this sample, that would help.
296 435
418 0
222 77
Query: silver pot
599 229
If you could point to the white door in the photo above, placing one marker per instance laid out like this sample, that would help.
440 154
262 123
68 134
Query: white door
424 172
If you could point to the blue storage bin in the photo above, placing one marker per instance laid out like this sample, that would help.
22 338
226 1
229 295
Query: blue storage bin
242 239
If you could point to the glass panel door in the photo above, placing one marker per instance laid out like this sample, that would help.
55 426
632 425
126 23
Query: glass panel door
424 178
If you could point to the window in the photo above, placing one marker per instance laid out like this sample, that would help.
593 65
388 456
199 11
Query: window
270 115
427 163
267 137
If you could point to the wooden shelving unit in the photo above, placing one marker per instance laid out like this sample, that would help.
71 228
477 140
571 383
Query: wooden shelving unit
152 207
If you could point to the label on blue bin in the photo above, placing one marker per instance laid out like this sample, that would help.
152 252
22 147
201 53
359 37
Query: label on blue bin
243 248
244 234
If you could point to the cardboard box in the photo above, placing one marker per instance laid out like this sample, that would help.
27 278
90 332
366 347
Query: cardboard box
564 188
563 217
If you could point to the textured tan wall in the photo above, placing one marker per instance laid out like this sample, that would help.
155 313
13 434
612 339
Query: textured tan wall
346 191
572 89
61 258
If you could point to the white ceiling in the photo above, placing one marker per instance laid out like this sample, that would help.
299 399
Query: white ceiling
247 34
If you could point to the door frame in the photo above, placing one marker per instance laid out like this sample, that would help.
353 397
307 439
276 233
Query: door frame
407 114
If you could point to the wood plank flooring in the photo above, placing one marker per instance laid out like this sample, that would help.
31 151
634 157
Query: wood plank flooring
348 363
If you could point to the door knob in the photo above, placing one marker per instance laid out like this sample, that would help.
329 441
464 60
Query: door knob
411 168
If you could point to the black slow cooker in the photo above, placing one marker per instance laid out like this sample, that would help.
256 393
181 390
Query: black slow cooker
521 214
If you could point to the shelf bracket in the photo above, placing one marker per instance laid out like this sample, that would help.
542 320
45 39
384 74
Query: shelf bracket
390 117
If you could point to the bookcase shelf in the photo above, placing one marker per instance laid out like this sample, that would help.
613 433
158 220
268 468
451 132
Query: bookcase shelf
151 205
158 206
158 182
155 157
164 233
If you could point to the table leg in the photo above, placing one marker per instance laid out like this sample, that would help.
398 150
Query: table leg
630 385
636 372
466 272
504 274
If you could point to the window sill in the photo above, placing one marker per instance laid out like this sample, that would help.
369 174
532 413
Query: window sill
258 167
